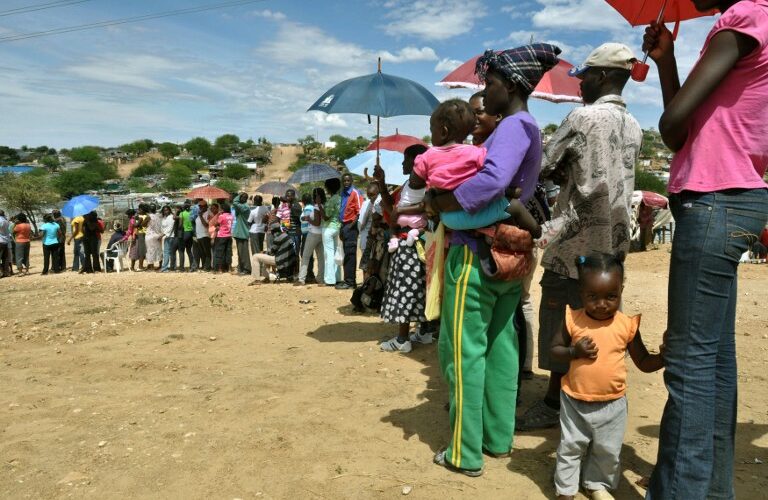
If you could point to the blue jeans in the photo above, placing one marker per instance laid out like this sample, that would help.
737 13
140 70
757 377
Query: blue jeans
696 439
169 254
77 255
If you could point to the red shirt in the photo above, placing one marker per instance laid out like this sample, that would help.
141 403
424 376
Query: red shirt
22 232
764 237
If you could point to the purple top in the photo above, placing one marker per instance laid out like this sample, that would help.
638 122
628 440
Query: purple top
513 159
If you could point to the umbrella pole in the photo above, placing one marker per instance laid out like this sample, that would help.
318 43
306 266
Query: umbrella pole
658 21
378 138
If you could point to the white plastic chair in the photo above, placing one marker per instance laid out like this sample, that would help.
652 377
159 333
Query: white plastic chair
121 247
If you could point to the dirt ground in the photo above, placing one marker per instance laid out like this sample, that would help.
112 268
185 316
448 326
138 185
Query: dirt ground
144 385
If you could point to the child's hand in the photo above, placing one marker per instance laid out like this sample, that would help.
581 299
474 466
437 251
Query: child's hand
663 345
586 348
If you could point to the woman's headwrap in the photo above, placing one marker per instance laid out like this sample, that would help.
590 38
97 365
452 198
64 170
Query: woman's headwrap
525 66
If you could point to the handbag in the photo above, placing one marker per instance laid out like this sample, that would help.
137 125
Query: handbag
505 252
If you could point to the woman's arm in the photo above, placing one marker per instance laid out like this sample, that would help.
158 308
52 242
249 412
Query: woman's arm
644 360
723 52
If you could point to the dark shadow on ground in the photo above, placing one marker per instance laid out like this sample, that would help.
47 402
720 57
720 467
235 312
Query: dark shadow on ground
353 331
429 419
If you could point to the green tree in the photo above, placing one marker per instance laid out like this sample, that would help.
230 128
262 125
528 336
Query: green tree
103 170
140 147
236 171
138 185
8 156
51 162
78 181
168 150
228 185
229 142
550 129
178 177
192 165
199 146
30 194
311 152
147 167
37 172
646 181
84 154
347 148
216 154
260 151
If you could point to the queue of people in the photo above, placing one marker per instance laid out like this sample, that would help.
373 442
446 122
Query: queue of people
489 199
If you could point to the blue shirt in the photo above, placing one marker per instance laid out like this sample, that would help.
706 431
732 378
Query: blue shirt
344 199
51 231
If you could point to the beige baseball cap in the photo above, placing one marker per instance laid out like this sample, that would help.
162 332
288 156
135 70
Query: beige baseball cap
608 55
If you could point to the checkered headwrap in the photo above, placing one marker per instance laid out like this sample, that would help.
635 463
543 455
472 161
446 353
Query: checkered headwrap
525 66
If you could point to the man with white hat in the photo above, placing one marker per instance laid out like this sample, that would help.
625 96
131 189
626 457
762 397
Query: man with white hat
592 158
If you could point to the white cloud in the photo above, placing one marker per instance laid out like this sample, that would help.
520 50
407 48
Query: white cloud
141 71
269 14
587 15
445 65
409 54
433 19
317 119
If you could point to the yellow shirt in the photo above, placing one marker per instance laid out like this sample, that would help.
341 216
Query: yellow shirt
604 378
140 228
77 227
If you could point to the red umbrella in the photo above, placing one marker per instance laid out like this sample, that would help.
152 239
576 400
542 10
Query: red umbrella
642 13
556 86
208 193
655 200
397 142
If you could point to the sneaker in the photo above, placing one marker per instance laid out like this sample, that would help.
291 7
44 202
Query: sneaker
392 345
538 416
440 460
421 338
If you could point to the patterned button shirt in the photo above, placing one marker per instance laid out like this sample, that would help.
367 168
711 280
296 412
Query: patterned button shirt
595 149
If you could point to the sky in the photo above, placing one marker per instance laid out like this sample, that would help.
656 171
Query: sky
254 69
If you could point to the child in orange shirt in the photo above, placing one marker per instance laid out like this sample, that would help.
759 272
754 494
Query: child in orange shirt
593 411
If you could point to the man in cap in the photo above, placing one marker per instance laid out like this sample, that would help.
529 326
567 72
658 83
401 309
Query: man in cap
592 158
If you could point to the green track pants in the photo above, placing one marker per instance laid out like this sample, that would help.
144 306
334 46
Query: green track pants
478 352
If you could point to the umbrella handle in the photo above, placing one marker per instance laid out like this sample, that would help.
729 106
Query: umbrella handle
640 70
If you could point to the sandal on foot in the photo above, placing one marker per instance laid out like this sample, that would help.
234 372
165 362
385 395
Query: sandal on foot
506 454
440 460
600 495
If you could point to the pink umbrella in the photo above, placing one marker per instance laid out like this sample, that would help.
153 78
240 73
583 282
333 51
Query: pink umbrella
556 86
655 200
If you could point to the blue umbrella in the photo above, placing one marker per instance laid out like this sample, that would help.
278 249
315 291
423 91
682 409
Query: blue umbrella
377 94
391 162
314 172
79 205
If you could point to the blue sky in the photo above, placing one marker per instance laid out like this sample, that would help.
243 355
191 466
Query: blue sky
253 70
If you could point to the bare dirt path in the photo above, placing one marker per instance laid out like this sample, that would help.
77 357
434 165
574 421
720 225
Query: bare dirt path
144 385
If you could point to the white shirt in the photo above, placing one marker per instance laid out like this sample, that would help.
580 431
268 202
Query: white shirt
312 228
256 219
166 226
201 231
365 219
410 196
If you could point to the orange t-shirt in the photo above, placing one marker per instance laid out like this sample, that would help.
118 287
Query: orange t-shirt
604 378
22 232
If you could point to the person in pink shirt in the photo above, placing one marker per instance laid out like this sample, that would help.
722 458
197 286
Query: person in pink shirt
222 243
446 166
715 123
